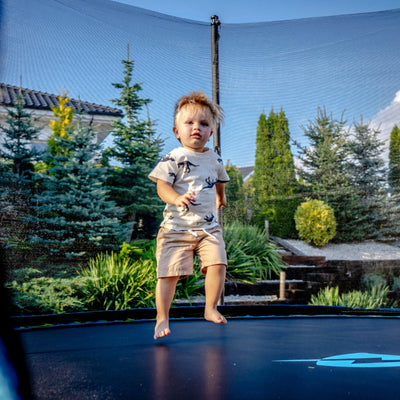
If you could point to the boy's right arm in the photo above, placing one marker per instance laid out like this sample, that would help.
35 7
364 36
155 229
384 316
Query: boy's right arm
170 196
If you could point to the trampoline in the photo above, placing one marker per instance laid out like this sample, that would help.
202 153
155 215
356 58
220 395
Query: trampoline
262 353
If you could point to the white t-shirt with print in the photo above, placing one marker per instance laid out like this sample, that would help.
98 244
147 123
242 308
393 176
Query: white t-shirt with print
188 170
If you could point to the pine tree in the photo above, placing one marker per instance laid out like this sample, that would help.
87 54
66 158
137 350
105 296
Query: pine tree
72 209
366 165
274 175
235 209
136 149
16 167
368 174
325 170
394 159
17 139
390 208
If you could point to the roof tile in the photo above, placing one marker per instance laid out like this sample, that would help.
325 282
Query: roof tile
44 101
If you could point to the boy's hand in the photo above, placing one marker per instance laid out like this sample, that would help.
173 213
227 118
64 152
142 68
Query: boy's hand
170 196
185 200
221 201
221 197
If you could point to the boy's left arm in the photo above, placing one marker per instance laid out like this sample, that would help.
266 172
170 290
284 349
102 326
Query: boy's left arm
221 197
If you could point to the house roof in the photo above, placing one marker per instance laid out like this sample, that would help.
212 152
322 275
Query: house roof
246 172
44 101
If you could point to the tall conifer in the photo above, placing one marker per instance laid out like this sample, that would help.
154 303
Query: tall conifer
394 159
368 174
235 209
274 175
136 149
325 170
391 206
17 158
18 135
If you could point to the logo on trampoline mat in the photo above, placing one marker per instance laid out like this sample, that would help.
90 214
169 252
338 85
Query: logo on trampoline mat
355 360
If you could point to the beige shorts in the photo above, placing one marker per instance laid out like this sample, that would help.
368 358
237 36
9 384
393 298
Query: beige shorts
175 251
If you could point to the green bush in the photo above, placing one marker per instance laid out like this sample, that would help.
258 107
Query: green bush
128 279
376 297
146 250
117 283
396 283
44 295
368 281
315 222
251 256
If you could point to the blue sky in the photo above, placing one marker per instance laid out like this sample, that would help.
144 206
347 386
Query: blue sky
239 11
298 62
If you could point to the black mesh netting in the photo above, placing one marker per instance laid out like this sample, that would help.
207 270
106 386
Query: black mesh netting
346 63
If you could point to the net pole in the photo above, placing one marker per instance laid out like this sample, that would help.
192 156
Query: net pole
215 23
215 76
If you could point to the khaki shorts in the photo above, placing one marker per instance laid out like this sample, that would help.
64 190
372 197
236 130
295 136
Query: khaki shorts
175 251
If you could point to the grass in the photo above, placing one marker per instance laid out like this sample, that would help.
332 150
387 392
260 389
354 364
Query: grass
372 298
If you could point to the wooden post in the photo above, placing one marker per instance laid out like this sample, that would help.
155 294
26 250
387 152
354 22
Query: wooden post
282 285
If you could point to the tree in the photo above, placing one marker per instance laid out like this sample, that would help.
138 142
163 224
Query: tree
72 209
235 209
136 150
325 170
394 159
61 127
391 206
18 136
274 175
367 174
16 166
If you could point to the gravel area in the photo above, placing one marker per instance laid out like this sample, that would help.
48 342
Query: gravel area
355 251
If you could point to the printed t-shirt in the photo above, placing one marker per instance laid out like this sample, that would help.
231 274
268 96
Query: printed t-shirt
188 170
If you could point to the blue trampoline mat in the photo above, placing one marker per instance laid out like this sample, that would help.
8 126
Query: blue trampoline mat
328 357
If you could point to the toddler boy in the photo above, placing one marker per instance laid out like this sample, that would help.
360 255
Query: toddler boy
191 181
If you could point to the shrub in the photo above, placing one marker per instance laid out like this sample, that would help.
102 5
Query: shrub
117 283
376 297
368 281
251 256
315 222
146 250
44 295
396 283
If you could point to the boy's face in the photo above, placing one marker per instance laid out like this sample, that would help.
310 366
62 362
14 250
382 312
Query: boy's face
193 127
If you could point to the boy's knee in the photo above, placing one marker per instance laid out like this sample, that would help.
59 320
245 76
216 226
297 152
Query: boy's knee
215 267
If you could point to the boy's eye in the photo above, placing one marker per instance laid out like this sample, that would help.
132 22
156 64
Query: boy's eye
204 123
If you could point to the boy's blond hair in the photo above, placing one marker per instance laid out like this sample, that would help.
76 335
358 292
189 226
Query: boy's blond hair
201 99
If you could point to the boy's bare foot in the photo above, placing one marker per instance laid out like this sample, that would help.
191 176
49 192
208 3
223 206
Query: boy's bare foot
161 329
213 315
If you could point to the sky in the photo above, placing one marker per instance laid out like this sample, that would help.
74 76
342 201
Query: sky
239 11
296 60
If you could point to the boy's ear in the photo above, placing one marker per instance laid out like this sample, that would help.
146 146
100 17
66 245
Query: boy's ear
175 130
